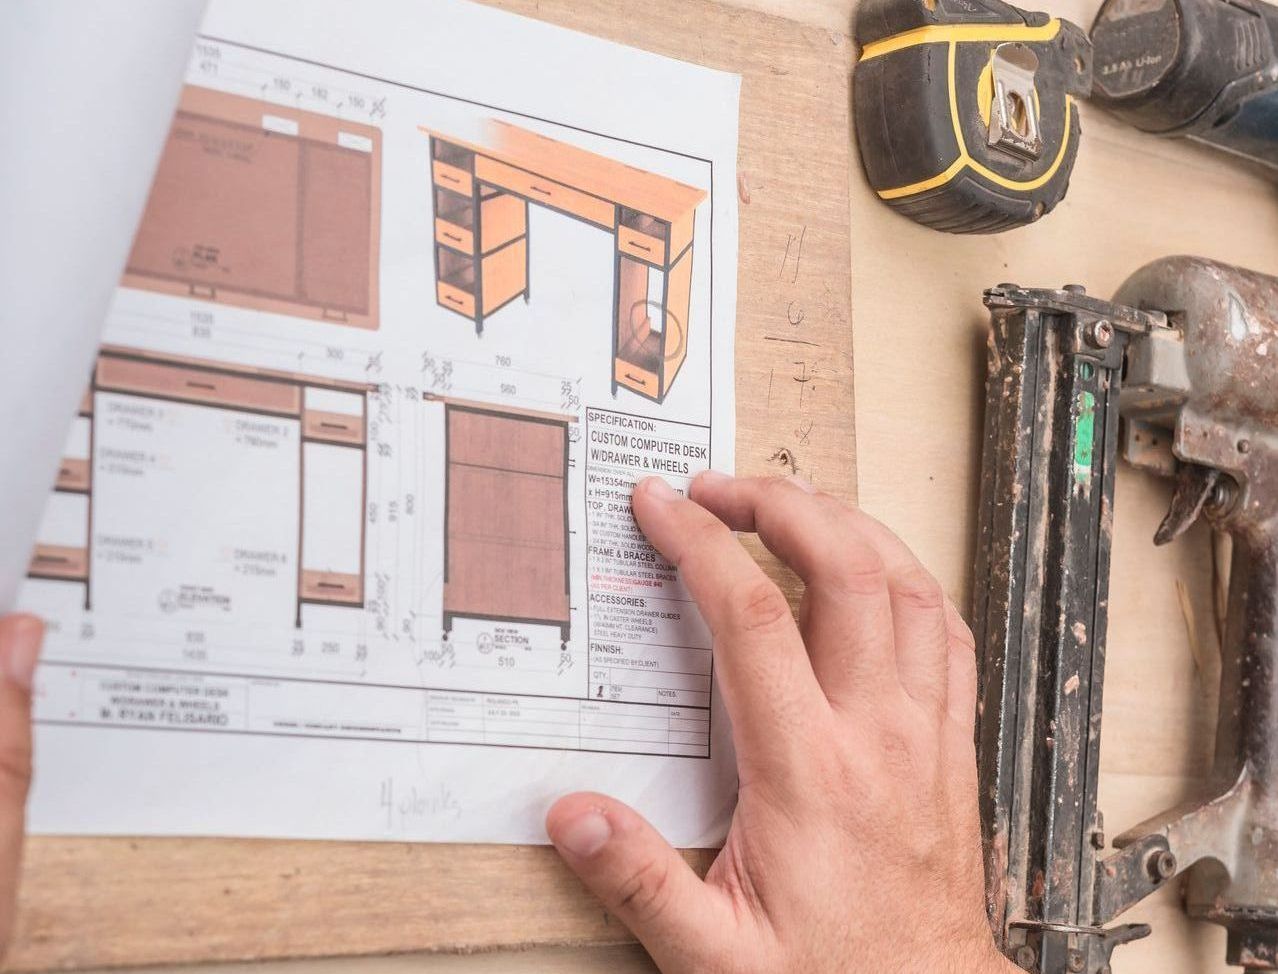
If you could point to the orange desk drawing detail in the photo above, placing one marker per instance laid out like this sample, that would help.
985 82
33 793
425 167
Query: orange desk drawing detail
267 207
481 195
330 415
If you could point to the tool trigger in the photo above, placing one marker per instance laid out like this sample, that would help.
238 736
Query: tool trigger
1194 487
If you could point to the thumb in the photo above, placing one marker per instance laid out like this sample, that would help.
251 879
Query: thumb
642 880
20 637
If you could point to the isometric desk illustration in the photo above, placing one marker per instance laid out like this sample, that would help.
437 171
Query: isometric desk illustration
481 195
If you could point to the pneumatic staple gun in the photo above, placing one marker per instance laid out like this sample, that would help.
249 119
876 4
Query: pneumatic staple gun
1186 355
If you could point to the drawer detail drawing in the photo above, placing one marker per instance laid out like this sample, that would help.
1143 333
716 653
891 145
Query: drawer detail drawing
482 194
506 516
266 207
267 471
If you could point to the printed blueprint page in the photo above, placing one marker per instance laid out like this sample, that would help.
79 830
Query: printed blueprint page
341 544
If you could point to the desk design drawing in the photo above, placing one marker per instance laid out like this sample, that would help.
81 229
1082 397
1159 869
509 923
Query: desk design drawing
264 206
481 195
310 527
166 427
506 517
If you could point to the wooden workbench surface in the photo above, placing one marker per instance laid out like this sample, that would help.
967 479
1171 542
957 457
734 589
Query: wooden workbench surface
919 330
919 363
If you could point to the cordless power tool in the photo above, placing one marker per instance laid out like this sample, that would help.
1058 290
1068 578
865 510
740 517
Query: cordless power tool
1203 69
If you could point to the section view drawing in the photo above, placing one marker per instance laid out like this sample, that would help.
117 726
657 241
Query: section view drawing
311 430
481 196
266 207
506 516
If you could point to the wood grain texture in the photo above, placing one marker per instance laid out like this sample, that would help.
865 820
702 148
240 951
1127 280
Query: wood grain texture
99 902
620 959
920 343
104 902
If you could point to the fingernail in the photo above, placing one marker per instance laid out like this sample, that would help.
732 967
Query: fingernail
658 489
586 834
20 638
802 484
713 477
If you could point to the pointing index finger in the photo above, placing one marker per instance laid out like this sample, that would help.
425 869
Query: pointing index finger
767 681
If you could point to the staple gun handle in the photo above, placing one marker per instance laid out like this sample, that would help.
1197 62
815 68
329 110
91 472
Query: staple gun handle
1040 616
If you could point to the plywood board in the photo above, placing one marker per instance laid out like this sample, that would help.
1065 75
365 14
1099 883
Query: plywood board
97 902
621 959
920 337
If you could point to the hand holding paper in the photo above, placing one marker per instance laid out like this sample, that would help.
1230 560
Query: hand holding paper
89 92
20 637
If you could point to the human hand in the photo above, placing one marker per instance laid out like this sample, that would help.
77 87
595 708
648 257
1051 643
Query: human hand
20 638
855 844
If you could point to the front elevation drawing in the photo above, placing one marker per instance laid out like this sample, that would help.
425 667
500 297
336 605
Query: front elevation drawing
481 195
506 516
267 207
192 486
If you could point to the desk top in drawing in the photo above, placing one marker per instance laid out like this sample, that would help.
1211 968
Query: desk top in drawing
659 196
517 412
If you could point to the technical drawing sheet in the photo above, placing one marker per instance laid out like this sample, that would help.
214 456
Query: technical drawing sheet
340 545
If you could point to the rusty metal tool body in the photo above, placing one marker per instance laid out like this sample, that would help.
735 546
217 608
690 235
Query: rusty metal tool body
1185 354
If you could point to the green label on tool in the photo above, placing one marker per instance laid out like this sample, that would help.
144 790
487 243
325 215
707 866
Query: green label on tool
1084 437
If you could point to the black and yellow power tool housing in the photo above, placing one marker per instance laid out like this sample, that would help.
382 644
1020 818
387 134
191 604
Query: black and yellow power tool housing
965 109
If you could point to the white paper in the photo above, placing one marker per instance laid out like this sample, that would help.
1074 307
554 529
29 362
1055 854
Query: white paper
88 90
295 437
